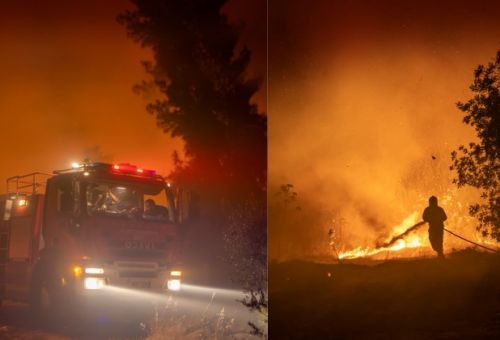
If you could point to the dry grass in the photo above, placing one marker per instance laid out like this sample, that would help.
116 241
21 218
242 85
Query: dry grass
170 321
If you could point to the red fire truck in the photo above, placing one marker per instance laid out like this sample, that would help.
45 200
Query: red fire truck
82 230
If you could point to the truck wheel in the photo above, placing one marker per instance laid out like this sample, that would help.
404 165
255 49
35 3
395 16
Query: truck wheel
46 306
41 301
44 299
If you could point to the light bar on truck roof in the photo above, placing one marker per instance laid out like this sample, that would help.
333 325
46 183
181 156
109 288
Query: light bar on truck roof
130 169
120 168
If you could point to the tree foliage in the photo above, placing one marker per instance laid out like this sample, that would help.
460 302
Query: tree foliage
246 253
200 72
206 97
478 164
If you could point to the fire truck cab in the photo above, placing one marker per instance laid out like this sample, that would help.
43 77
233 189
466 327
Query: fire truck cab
83 230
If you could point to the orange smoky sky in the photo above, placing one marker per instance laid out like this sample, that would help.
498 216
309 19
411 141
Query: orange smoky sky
68 69
362 96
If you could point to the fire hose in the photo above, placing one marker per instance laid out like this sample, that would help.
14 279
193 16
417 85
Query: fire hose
416 226
477 244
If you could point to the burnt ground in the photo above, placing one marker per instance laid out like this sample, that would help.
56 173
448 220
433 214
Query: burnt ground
455 298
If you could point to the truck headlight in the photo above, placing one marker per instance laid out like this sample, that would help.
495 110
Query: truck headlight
94 270
94 283
174 284
175 273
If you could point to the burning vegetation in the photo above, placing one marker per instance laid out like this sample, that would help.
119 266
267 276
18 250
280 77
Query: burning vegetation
354 230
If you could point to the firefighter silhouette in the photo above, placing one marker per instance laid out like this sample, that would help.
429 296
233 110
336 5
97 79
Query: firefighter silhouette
434 215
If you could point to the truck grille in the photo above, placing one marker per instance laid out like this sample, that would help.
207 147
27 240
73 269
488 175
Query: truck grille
137 269
138 274
137 265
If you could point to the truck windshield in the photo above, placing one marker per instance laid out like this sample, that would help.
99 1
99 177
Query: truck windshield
125 200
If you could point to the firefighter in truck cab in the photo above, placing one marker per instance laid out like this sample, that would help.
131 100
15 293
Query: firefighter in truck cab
97 225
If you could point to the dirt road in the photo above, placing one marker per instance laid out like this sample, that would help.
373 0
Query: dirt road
197 312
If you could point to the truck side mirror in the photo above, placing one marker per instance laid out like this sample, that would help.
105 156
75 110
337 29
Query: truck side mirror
189 207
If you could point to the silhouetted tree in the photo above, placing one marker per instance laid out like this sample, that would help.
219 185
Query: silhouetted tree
206 100
206 96
478 164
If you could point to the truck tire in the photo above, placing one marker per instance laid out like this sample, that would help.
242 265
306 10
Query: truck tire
47 299
42 300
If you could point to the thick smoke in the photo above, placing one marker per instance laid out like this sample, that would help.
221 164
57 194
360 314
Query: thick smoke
68 69
363 118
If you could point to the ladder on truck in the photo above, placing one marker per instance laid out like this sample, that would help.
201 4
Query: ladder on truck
4 247
30 184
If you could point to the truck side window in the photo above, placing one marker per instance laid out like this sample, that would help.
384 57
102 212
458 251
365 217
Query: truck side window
6 209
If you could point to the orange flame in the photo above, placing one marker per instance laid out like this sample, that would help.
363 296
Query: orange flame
412 241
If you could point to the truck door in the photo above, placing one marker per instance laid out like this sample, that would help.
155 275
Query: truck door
60 212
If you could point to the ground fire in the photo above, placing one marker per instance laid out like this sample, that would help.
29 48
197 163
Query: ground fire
410 239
